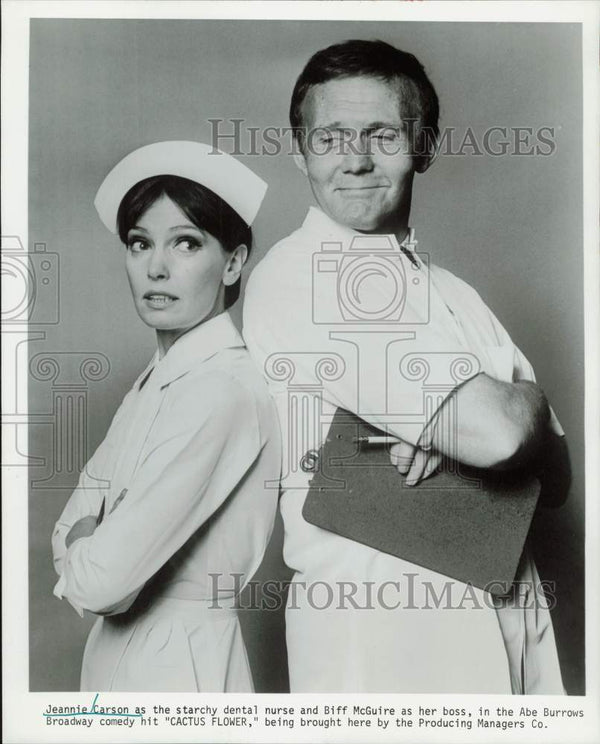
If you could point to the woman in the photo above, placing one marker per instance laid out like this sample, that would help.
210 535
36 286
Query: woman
173 512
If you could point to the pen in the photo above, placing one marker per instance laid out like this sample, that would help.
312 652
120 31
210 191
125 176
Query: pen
387 440
410 256
376 440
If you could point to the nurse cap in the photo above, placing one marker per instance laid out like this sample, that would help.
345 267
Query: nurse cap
235 183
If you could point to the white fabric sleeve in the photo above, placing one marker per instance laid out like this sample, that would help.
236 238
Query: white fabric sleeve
178 486
519 366
280 319
94 481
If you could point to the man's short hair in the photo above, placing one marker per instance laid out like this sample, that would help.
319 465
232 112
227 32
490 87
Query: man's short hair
377 59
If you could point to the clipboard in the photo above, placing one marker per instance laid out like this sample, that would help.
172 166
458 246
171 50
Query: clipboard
467 524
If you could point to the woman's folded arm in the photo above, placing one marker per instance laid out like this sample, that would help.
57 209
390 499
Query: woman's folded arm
179 485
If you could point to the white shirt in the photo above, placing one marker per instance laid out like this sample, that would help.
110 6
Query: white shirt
197 449
332 327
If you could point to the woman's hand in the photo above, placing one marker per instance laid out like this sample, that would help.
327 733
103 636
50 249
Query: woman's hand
86 526
83 527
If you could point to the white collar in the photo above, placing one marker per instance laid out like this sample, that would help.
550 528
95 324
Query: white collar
195 346
322 224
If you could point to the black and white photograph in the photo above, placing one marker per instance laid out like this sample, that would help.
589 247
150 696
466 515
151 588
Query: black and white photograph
300 371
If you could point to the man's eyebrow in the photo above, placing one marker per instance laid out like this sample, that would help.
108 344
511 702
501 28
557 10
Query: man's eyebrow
338 125
383 125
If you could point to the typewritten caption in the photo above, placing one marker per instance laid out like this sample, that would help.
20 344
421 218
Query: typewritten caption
316 717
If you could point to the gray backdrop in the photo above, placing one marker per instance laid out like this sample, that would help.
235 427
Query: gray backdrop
511 226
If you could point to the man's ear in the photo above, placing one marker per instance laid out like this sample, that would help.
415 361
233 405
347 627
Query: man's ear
300 161
423 162
235 263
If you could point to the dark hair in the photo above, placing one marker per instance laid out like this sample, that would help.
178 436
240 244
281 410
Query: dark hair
379 60
201 205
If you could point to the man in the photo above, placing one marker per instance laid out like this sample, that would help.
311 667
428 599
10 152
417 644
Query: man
365 117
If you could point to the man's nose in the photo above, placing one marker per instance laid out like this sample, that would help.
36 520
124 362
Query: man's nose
357 158
158 264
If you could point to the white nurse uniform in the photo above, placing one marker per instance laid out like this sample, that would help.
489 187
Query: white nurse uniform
195 448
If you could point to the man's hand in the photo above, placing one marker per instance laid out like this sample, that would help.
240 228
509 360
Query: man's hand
414 462
490 424
420 461
497 425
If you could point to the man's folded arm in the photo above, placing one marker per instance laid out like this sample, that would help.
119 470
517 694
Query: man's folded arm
496 425
490 424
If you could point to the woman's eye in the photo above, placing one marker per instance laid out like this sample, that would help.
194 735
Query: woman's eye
137 245
188 245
